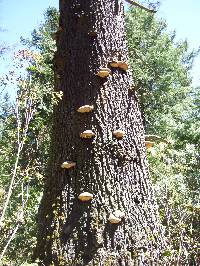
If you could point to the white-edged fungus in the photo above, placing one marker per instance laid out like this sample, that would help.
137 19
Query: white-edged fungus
103 72
92 33
113 219
87 134
85 196
123 65
85 109
119 214
68 164
119 133
149 144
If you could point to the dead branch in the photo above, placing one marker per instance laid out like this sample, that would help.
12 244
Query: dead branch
131 2
156 138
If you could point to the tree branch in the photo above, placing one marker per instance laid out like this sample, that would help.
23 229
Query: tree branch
131 2
156 138
28 116
8 243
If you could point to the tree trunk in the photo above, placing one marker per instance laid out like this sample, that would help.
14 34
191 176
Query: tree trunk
115 171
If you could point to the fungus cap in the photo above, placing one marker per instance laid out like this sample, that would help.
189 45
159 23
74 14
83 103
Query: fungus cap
114 64
68 164
92 33
119 133
85 109
113 219
103 72
87 134
149 144
123 65
106 69
85 196
119 214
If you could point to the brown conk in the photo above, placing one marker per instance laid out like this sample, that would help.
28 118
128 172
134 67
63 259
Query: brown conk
68 164
85 196
121 64
149 144
119 133
87 134
85 109
103 72
113 219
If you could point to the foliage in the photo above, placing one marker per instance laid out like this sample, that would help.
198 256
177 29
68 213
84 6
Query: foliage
26 126
160 66
170 108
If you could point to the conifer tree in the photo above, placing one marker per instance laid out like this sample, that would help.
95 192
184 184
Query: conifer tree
98 206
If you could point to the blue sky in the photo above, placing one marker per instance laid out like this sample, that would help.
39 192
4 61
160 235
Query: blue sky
184 17
20 17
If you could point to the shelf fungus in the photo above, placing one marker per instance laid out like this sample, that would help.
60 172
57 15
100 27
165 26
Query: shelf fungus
119 133
68 164
92 33
103 72
114 63
113 219
87 134
119 214
85 109
123 65
149 144
85 196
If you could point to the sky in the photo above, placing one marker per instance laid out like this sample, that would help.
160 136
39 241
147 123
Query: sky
20 17
184 17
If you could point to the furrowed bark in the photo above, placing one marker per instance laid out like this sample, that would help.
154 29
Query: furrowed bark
115 171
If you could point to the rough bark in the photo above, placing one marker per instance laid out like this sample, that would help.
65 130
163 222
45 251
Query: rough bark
114 171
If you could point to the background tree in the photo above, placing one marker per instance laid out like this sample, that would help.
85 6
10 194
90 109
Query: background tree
169 103
161 67
32 75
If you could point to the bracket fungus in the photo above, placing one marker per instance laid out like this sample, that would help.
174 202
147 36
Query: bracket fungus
68 164
119 133
114 63
149 144
85 196
103 72
85 109
123 65
92 33
87 134
113 219
119 214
